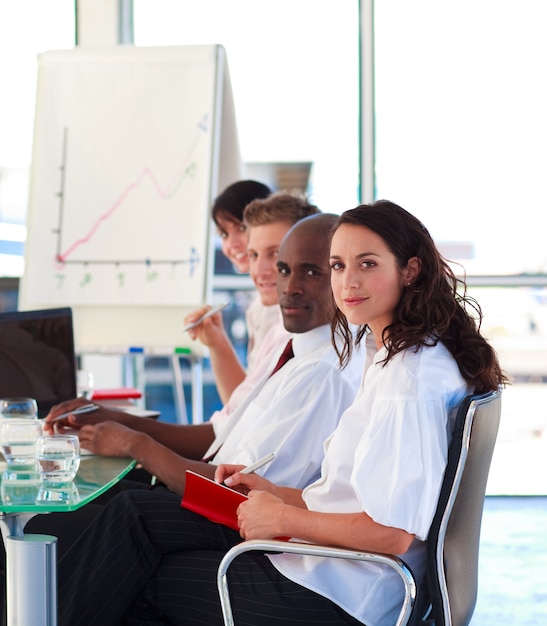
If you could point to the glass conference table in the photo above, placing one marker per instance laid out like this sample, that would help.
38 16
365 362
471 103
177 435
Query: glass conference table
31 560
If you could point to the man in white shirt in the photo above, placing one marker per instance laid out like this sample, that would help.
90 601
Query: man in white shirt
267 221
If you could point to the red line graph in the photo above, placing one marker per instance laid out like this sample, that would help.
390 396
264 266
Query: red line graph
146 174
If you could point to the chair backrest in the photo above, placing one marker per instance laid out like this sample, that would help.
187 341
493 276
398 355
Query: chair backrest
453 543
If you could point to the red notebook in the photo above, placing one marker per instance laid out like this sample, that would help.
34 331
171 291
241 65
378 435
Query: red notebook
214 501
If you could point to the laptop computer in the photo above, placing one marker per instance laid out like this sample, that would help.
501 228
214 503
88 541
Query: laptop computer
37 358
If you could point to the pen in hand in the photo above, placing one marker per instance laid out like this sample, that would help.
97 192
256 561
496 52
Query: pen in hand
250 468
209 313
86 408
258 464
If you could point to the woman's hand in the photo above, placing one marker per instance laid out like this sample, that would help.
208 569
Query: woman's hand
224 470
232 477
261 516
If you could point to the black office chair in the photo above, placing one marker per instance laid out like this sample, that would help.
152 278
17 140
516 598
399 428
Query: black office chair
447 595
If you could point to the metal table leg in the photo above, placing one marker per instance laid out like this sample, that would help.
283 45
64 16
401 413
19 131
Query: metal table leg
31 574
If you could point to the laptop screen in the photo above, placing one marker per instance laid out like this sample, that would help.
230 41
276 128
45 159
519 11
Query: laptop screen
37 357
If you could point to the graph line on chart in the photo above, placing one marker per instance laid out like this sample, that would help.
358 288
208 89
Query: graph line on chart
185 171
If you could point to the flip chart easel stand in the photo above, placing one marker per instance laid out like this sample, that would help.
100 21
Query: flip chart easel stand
132 374
135 376
196 369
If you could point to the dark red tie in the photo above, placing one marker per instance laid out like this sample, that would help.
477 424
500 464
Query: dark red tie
285 356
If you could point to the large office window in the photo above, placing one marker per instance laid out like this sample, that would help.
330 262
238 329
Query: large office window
295 77
461 128
26 29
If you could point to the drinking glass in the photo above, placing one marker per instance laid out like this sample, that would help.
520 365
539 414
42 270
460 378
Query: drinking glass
58 458
18 408
18 439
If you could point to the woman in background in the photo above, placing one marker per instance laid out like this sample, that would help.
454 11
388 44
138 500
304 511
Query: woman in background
227 213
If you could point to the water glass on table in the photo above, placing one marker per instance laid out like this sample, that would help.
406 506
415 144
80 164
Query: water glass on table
58 458
19 408
18 439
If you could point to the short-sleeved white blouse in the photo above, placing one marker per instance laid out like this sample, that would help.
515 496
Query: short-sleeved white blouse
386 458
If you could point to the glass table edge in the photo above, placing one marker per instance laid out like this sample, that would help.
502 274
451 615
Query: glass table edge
126 465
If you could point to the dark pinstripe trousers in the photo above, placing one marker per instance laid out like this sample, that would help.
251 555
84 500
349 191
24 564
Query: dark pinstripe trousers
146 561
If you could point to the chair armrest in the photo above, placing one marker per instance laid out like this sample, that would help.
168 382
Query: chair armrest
397 564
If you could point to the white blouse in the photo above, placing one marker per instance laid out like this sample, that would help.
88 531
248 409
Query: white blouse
386 458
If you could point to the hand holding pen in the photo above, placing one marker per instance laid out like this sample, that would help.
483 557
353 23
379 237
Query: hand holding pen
52 423
86 408
194 325
249 469
225 473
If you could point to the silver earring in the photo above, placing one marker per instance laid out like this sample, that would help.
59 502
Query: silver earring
408 284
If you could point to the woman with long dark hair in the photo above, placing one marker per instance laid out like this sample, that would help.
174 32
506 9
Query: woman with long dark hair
385 462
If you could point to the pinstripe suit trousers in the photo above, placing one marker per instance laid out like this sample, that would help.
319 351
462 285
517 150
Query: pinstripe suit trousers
146 561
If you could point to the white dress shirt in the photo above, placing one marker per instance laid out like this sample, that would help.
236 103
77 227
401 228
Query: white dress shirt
259 319
386 458
270 345
292 412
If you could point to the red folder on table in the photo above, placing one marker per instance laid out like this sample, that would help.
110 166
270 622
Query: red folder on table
118 393
214 501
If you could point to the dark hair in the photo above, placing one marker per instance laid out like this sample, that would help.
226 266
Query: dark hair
229 205
430 309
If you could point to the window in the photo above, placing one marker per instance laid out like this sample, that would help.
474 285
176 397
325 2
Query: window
295 77
26 29
461 126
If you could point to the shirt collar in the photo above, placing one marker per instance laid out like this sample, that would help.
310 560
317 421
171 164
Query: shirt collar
303 343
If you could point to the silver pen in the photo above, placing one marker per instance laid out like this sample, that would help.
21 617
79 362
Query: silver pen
258 464
86 408
209 313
